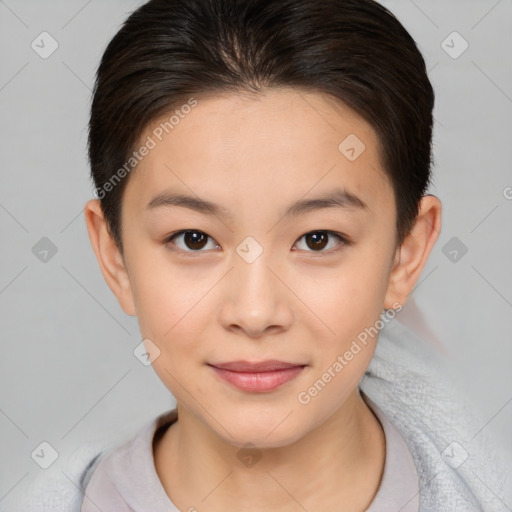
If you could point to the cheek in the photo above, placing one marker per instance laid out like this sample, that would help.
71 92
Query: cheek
165 296
171 320
344 300
349 334
168 316
349 301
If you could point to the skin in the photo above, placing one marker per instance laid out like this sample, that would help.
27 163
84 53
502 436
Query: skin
255 155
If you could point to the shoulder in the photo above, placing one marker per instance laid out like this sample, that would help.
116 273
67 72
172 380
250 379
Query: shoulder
99 489
89 469
115 480
60 487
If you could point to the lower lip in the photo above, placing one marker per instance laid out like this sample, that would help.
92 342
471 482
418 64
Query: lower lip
258 382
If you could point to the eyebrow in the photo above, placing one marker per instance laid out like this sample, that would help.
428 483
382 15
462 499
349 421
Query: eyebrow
338 198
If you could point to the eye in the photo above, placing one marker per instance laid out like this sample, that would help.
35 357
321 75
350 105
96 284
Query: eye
318 240
193 240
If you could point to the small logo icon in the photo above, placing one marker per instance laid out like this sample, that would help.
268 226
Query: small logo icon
454 249
44 455
249 249
44 45
454 45
351 147
146 352
454 455
44 250
249 455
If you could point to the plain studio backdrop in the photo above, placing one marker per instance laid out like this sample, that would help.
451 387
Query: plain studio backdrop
68 369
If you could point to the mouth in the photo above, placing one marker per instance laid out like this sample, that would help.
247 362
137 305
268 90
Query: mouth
257 377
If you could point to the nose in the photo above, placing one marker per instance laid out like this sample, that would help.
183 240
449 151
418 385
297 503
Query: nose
255 301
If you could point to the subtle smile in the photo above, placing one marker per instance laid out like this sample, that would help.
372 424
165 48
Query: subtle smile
257 377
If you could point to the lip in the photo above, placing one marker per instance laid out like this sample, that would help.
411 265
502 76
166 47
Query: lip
260 366
259 377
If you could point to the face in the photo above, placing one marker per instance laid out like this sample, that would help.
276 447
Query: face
249 278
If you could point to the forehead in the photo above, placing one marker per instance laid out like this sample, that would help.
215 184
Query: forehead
244 148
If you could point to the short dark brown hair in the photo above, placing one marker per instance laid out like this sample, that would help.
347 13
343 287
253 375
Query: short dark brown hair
168 51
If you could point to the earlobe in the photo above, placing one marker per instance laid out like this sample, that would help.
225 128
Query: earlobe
413 254
109 257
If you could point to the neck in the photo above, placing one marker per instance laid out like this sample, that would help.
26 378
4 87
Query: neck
341 461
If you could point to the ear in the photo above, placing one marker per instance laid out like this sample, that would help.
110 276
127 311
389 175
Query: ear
412 255
109 257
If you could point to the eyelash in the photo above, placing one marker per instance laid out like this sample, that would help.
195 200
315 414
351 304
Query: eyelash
168 241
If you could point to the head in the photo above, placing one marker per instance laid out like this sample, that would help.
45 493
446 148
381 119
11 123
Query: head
261 170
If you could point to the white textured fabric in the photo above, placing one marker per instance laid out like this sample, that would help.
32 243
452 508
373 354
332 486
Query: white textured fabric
458 466
421 394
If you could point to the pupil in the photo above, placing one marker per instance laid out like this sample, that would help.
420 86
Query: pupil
318 239
195 240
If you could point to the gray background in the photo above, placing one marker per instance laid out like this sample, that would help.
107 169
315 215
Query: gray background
68 373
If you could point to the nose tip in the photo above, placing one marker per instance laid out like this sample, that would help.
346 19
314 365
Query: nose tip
256 329
255 301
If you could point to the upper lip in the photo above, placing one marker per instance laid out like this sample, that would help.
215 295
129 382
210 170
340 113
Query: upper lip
260 366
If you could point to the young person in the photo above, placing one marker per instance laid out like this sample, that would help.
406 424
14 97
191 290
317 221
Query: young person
261 168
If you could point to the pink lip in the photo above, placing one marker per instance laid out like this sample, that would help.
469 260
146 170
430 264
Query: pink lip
257 377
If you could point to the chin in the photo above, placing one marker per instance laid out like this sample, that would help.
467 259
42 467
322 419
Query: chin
267 431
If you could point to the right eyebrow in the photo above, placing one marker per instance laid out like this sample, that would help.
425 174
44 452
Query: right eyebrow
170 199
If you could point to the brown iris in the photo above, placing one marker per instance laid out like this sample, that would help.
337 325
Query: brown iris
195 239
316 239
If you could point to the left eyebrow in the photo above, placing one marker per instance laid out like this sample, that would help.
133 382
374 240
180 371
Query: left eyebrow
338 198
